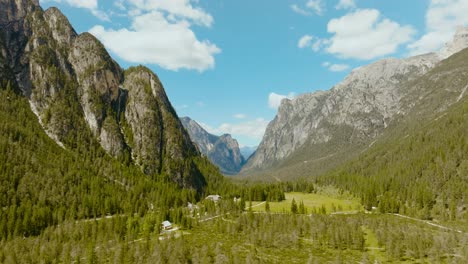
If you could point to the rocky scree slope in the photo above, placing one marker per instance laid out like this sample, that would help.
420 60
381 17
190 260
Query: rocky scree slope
223 151
318 131
78 91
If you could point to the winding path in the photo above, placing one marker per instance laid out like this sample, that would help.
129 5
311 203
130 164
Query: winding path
431 224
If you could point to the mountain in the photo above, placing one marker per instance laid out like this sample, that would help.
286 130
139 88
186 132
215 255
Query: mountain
419 165
248 151
318 131
223 151
81 95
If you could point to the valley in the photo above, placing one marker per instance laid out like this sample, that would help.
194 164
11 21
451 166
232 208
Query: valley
97 166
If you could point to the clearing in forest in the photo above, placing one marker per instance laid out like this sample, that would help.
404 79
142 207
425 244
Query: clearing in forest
313 201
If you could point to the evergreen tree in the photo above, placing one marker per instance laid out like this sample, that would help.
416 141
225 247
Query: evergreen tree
293 206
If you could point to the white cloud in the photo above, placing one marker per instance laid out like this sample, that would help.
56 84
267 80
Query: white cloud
300 11
442 17
319 44
91 5
158 38
176 9
364 34
305 41
274 99
346 4
335 67
338 67
240 116
317 6
253 128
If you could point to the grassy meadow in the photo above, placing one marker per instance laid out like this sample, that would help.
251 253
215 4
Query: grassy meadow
313 202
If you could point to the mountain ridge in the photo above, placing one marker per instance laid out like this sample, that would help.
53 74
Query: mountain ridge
222 150
345 119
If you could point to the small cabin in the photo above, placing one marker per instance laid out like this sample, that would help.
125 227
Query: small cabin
166 225
214 197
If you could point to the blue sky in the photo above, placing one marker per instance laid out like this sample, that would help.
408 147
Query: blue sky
228 63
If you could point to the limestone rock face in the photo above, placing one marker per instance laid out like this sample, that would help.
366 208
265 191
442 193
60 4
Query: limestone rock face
98 77
223 151
80 94
353 113
158 140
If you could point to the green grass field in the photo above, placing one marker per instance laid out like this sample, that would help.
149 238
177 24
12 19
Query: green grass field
312 201
372 246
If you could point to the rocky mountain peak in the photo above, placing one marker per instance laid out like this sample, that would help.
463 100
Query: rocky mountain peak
80 94
223 151
61 28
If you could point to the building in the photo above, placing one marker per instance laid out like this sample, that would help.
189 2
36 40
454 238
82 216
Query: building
214 197
166 225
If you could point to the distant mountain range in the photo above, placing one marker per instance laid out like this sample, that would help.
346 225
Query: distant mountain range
223 151
316 132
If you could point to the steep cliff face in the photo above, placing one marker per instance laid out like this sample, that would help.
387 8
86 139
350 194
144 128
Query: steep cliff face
314 127
204 140
157 138
223 151
80 94
15 29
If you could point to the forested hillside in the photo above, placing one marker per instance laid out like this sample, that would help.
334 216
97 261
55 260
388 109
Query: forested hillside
420 165
43 184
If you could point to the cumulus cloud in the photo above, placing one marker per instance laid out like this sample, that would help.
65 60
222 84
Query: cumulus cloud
305 41
319 44
308 41
365 35
176 8
442 17
274 99
346 4
91 5
252 129
161 37
317 6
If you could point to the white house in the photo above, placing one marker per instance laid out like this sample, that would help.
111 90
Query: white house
166 225
214 197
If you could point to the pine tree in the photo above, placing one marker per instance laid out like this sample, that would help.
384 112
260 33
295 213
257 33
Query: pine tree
293 206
